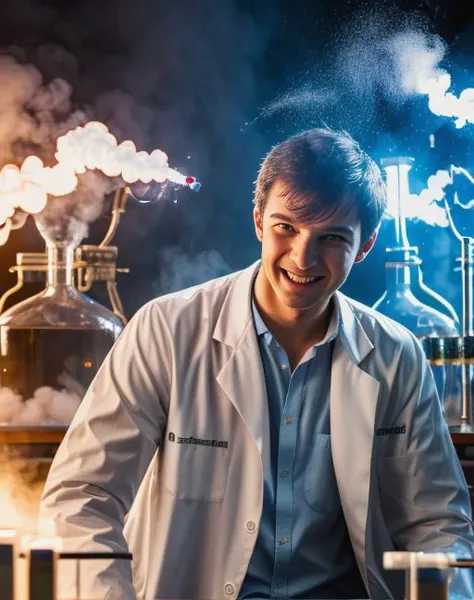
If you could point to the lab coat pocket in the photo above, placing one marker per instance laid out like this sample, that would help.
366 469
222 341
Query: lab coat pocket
320 487
194 471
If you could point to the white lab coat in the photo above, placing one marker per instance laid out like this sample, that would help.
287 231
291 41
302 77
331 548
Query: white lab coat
188 366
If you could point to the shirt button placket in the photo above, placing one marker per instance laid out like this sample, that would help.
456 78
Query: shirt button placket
284 485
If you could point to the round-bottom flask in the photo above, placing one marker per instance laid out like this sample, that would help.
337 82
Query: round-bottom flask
399 302
51 346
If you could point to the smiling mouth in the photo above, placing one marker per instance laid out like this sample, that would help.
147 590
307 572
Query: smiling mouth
300 280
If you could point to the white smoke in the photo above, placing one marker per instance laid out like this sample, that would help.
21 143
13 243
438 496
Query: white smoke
32 115
446 104
94 147
47 407
299 98
20 85
399 60
415 56
427 206
180 271
39 119
387 53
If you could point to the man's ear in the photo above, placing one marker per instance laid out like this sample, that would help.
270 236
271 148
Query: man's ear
367 247
257 219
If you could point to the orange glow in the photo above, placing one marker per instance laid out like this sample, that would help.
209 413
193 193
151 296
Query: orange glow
87 364
19 496
7 533
29 542
10 516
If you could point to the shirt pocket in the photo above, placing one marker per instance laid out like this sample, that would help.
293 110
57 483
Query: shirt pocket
194 470
320 487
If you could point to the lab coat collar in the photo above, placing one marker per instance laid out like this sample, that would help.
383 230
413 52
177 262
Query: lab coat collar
236 312
236 316
352 334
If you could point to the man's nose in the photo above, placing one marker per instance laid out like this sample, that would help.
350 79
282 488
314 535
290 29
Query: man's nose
304 253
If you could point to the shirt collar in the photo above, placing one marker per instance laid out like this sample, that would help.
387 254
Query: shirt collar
331 333
260 326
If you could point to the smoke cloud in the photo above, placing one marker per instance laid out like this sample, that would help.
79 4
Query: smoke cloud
47 406
386 52
21 485
33 114
364 75
176 76
181 271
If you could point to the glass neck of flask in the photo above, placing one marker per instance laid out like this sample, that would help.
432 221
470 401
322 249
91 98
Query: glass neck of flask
60 265
399 277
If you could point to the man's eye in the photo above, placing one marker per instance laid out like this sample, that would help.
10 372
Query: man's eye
285 227
332 237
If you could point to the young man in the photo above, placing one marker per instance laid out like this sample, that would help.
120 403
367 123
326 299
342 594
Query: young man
261 435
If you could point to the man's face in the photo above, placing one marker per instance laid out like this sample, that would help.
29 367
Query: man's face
304 263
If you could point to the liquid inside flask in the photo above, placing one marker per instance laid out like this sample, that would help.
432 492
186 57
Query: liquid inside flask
52 344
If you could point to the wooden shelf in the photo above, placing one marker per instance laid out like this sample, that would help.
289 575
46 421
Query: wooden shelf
55 435
462 439
32 435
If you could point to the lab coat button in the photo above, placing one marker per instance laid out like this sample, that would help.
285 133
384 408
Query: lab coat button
251 526
229 589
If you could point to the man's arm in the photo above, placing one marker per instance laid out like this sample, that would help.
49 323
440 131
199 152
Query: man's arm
101 462
424 495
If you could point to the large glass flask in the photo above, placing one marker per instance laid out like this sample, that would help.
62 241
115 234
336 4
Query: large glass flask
407 299
403 280
51 345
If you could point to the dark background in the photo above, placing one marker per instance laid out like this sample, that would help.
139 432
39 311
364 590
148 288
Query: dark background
215 84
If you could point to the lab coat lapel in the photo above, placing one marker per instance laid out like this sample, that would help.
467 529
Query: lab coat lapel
353 403
242 378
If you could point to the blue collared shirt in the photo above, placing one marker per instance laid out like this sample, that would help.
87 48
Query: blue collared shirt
302 548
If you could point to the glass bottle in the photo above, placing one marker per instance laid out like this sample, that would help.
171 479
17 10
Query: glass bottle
402 278
52 344
407 299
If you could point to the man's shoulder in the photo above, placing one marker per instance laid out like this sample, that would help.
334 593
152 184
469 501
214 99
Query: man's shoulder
378 326
209 290
194 305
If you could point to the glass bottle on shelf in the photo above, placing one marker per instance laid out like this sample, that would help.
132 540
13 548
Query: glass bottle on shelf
407 299
52 344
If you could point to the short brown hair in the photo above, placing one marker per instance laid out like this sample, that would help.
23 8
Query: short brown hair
328 166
